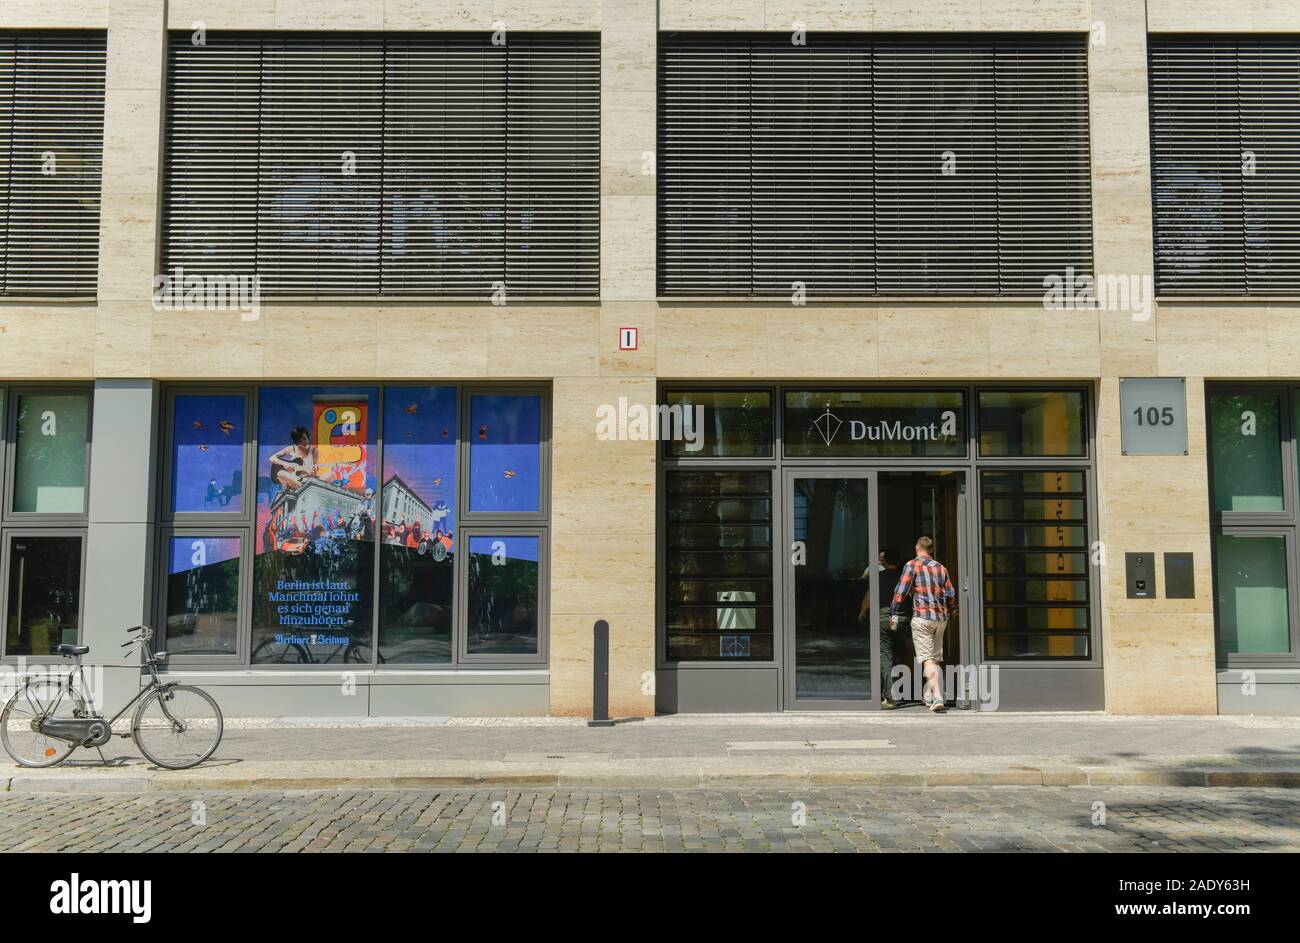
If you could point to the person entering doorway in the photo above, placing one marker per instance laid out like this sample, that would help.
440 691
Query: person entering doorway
887 575
933 600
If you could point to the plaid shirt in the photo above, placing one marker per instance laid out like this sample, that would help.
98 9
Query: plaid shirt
931 588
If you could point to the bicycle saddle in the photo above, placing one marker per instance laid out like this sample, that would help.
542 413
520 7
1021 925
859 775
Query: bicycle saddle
71 649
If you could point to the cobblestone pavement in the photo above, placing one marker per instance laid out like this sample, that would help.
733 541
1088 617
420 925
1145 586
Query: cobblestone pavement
850 819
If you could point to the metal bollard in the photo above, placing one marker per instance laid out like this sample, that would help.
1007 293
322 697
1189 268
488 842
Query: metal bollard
600 677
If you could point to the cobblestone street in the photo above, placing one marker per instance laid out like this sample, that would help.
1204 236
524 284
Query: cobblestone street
848 819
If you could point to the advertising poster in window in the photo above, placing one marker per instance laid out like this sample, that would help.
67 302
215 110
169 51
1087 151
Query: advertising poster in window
208 454
418 524
316 511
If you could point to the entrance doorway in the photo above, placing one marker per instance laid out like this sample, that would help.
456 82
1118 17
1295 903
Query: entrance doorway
843 524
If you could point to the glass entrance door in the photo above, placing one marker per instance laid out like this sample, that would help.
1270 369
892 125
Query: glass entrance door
831 595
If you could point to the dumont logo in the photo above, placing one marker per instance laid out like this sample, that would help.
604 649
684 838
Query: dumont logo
76 896
828 425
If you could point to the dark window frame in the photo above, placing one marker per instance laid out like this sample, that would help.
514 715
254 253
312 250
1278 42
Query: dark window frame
243 615
1223 234
585 247
881 207
1284 523
495 522
37 523
971 464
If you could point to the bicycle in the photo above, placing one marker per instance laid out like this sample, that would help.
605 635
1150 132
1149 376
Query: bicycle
175 726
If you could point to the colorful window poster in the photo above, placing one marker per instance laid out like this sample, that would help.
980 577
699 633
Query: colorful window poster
208 454
202 596
505 453
313 573
417 524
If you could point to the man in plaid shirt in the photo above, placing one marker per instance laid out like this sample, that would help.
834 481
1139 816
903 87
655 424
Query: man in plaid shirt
933 601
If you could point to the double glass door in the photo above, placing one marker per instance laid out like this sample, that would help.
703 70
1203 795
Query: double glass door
849 532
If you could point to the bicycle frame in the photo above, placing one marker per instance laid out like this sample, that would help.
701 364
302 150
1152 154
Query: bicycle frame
155 684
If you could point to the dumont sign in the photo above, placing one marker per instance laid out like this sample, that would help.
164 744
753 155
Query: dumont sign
828 426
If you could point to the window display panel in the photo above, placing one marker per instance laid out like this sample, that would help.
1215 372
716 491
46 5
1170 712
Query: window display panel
1251 585
44 605
503 595
1031 423
202 615
313 570
50 452
505 453
1246 451
208 454
418 524
1034 527
719 590
719 424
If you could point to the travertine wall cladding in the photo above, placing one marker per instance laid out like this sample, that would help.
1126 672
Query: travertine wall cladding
1158 657
1260 16
878 15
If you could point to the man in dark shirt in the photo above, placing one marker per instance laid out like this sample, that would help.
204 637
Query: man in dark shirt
886 579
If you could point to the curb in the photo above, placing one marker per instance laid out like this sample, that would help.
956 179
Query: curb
553 778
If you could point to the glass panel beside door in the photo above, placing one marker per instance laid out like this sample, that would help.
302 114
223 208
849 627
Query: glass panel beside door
831 575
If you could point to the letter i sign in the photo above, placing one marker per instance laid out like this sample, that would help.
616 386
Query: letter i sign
627 338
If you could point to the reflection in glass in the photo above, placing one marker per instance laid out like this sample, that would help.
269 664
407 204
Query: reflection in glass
719 565
832 658
1031 422
1036 580
1251 581
202 596
417 539
503 595
50 456
505 453
313 571
1246 451
208 454
719 424
44 605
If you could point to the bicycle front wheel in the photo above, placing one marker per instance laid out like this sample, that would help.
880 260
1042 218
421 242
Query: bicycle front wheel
177 726
19 722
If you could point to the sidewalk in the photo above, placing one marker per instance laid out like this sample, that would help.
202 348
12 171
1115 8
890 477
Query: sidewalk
902 748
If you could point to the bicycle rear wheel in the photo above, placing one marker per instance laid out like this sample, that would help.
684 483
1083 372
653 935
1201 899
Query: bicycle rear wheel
177 726
40 698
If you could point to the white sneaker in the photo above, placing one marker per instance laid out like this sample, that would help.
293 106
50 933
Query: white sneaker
937 706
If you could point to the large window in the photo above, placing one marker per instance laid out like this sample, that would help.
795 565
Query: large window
859 165
1034 536
1020 455
320 525
44 448
719 575
1225 164
1255 511
377 165
51 154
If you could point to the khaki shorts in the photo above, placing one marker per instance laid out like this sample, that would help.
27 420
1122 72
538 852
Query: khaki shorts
927 638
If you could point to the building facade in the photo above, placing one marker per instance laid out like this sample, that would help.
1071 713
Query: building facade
375 350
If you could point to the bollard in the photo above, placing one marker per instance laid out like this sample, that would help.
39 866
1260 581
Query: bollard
600 677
